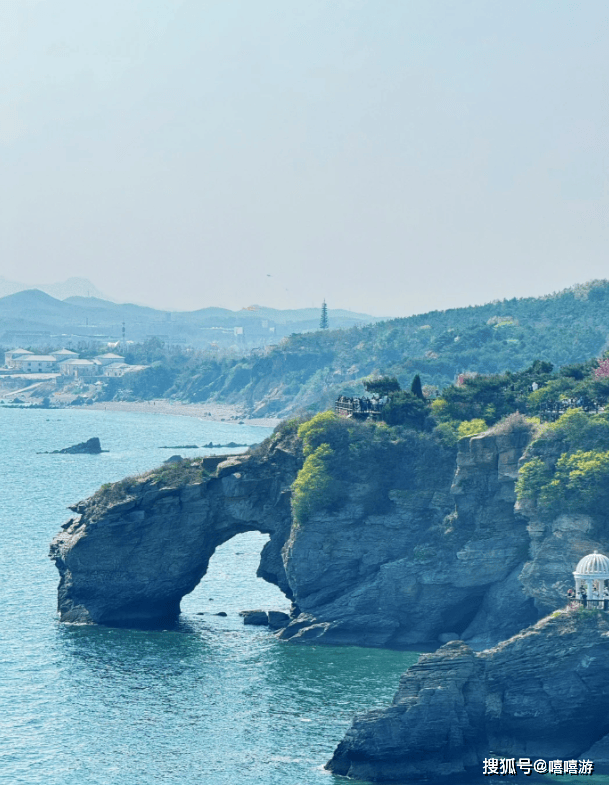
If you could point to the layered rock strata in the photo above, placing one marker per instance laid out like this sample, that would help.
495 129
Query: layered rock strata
541 694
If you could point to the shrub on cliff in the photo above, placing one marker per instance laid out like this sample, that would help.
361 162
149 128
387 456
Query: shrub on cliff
517 423
471 427
325 428
578 484
373 457
568 466
314 488
580 431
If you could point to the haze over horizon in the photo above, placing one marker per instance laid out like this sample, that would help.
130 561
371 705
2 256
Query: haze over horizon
392 158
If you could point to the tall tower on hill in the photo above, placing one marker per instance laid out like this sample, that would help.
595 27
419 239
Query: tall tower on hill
323 322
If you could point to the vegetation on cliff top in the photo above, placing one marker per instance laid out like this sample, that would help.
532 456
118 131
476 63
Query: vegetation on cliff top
574 479
567 466
375 458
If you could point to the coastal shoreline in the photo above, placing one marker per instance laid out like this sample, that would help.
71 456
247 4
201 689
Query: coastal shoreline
214 412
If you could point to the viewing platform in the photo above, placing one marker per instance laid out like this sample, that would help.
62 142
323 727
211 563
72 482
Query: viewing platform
359 408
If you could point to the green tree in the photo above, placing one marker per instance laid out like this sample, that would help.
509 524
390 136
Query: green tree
383 385
416 387
404 408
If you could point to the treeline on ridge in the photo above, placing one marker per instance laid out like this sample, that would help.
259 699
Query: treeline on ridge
311 369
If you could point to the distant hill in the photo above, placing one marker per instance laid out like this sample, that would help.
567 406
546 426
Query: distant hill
72 287
309 370
34 318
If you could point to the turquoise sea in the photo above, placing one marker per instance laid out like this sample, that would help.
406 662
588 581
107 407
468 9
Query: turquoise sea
211 702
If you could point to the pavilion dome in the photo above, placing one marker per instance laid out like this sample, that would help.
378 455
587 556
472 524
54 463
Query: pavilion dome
595 565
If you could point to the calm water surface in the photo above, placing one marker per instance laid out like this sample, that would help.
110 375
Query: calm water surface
212 702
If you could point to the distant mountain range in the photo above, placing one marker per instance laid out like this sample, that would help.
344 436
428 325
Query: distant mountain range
72 287
34 318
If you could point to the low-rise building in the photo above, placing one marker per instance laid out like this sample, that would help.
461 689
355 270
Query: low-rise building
116 369
80 368
110 358
36 363
11 357
61 355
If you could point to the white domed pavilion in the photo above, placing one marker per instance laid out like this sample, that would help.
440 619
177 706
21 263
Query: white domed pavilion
591 576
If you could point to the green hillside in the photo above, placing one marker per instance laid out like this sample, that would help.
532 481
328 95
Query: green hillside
309 370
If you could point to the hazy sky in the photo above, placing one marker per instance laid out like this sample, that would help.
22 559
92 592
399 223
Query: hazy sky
392 156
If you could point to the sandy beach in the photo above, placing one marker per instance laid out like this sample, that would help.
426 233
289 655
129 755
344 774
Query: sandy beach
203 411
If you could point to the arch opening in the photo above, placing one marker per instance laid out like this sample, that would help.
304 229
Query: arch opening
233 580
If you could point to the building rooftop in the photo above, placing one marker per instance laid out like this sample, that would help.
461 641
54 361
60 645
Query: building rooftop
35 358
594 565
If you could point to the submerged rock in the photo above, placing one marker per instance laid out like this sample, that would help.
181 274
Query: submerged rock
258 618
278 619
541 694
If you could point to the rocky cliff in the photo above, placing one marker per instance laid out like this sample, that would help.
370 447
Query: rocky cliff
421 548
541 694
441 560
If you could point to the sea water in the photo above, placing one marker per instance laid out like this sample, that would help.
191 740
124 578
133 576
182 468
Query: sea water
211 702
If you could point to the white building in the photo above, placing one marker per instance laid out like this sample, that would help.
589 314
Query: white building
80 368
11 357
116 369
109 358
36 363
65 354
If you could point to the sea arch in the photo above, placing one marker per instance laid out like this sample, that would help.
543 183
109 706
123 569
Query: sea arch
129 557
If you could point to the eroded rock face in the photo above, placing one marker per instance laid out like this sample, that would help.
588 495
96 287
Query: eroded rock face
129 561
541 694
443 560
556 546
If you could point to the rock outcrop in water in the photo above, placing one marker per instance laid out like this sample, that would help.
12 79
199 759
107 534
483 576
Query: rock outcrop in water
419 552
541 694
90 447
132 551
